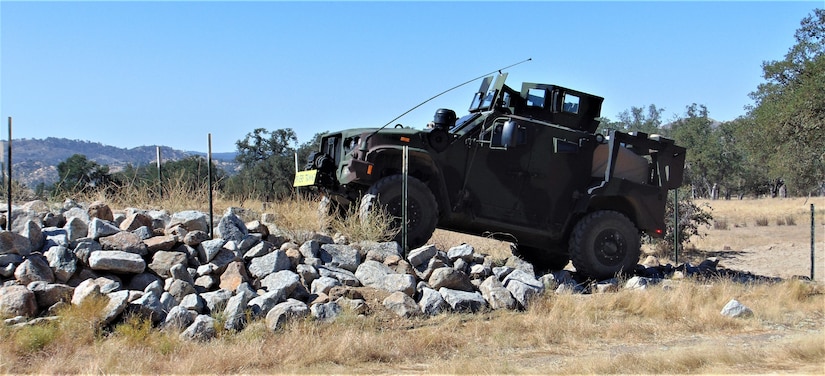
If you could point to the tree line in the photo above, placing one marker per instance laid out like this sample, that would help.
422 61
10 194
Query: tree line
777 147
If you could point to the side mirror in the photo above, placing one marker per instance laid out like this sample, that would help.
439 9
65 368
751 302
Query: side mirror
507 136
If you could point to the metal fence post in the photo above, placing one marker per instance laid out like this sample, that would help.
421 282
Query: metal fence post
209 178
8 181
676 224
813 244
405 172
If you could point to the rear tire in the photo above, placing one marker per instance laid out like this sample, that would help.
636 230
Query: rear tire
605 243
422 209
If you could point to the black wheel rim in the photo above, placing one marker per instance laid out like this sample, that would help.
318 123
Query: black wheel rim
610 247
394 208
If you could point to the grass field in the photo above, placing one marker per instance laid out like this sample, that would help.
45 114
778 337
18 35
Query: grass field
670 328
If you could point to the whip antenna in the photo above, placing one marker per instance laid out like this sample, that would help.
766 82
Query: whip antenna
364 144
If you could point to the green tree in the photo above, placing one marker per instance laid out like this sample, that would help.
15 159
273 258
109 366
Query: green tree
640 119
268 166
788 117
704 164
77 174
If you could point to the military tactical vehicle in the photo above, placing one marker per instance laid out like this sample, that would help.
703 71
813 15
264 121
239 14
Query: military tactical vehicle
523 165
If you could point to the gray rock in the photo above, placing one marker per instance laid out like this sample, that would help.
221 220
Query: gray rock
736 309
431 302
322 285
191 220
283 282
356 306
117 261
17 301
346 277
381 251
523 286
118 301
203 329
638 283
397 283
148 306
261 267
206 283
261 249
179 288
610 285
134 221
10 259
372 272
179 318
84 249
216 300
308 273
463 301
76 228
234 275
480 271
55 236
451 279
63 263
108 283
124 241
32 231
224 258
49 294
325 312
501 272
195 238
168 301
193 302
209 249
230 227
402 305
496 295
99 228
421 255
341 256
235 311
154 287
35 268
310 249
262 304
163 261
7 271
463 252
11 242
85 290
179 271
289 310
517 263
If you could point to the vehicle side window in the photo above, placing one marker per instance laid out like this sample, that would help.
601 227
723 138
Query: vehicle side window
536 97
571 104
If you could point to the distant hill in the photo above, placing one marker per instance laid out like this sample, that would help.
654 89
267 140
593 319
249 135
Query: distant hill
35 161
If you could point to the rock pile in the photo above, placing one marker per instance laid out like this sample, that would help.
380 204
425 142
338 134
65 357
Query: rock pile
164 267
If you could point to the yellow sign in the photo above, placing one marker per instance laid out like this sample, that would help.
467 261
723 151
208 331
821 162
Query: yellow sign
305 178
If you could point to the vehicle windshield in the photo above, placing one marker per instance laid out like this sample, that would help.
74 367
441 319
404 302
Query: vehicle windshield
462 124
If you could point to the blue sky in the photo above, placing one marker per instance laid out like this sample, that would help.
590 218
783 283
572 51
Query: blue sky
129 74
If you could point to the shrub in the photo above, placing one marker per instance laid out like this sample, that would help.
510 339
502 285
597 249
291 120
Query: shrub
762 221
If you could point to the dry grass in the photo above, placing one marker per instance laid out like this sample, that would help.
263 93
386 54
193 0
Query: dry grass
660 330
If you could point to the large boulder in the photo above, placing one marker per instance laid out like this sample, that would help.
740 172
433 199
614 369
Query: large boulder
272 262
231 227
11 242
283 312
202 329
35 268
402 305
163 261
496 295
341 256
451 279
117 261
124 241
63 263
191 220
463 301
17 301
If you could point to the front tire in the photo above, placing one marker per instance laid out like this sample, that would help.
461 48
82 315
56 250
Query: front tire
422 209
605 243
